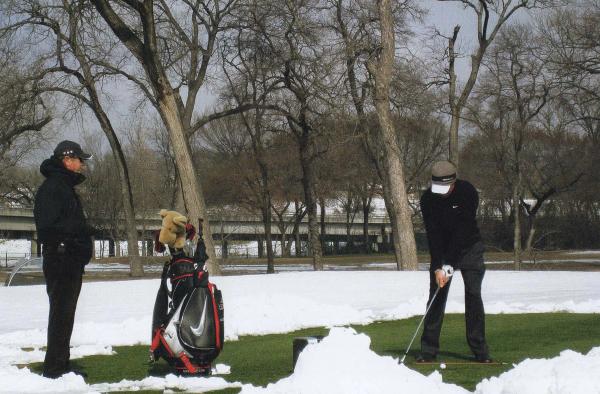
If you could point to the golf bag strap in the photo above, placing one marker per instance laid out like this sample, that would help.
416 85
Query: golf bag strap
200 275
200 255
188 364
180 260
211 289
197 275
163 278
156 339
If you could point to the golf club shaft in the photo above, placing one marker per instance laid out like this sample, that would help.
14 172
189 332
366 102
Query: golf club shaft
421 322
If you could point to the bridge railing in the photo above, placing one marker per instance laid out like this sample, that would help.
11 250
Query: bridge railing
9 259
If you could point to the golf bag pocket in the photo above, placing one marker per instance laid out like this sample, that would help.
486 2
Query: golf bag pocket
200 326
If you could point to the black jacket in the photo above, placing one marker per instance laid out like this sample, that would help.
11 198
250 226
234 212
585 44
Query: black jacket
450 223
58 213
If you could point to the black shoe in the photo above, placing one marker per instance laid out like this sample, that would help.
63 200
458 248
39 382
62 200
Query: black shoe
484 359
425 358
52 375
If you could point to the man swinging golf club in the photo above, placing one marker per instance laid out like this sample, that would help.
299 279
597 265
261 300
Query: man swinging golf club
449 207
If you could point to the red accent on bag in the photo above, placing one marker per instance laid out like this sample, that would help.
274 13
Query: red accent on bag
156 340
182 260
216 317
190 231
181 277
186 361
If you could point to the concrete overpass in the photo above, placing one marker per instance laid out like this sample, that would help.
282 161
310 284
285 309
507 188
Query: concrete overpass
18 223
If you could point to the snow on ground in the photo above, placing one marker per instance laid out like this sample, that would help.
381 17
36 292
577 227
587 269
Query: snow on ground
585 252
119 313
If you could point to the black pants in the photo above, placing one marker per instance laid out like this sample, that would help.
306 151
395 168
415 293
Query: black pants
472 272
63 284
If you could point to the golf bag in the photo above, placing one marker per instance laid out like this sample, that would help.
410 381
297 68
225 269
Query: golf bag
187 323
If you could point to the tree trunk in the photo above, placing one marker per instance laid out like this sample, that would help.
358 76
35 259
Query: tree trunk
310 197
299 215
382 71
308 185
531 234
136 268
313 230
282 226
366 207
322 222
389 207
349 220
191 188
517 226
297 242
285 245
267 220
453 136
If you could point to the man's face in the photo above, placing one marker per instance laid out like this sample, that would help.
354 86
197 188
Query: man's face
74 164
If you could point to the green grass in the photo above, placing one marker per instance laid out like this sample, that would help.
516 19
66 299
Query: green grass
264 359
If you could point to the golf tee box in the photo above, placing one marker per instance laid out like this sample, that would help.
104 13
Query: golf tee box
300 343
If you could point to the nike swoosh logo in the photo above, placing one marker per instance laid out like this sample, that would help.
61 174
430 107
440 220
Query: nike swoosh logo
199 330
455 206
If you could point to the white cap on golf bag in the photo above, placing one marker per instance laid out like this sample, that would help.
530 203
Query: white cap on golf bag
447 270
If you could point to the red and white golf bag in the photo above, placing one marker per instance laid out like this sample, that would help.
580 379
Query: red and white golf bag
187 324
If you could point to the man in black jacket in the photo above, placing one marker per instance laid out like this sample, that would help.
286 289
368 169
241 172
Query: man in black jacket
449 207
66 248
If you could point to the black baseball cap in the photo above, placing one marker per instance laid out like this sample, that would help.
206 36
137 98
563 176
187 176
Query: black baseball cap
71 149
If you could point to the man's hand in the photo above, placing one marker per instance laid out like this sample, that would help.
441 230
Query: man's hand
441 278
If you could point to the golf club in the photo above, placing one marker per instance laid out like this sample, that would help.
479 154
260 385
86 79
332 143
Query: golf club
448 271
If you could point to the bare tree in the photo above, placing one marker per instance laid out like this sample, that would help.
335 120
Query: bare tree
490 16
295 37
572 43
175 53
380 67
356 23
515 90
251 83
24 114
287 192
71 64
555 163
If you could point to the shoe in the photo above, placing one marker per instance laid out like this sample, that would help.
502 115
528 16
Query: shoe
52 375
484 359
425 358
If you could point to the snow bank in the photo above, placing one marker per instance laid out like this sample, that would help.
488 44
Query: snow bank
569 373
343 363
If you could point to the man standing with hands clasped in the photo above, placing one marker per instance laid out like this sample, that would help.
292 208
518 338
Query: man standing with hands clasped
66 248
449 209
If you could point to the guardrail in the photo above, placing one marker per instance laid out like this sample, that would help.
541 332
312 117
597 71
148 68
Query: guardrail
9 259
25 264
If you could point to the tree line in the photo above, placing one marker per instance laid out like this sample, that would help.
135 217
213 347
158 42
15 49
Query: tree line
317 101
